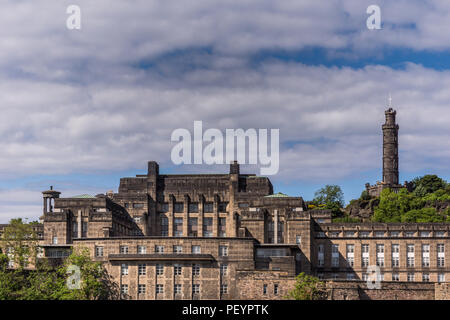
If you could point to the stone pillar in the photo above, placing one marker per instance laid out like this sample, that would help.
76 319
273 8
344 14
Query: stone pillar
232 227
275 226
171 213
80 223
45 205
186 215
216 216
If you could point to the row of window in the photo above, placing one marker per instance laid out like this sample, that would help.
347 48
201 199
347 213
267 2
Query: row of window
193 207
195 249
192 227
177 289
380 249
382 234
411 276
275 289
177 269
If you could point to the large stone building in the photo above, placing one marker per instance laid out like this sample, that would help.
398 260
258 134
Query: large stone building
229 236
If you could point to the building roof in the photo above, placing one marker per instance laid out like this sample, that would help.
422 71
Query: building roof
83 196
277 195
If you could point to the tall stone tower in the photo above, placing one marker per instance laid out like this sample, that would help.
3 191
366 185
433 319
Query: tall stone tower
390 148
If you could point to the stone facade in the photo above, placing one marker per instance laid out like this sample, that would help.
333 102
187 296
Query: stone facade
228 236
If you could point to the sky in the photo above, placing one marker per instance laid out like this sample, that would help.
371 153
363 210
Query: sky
82 108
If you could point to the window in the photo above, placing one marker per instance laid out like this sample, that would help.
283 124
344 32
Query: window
335 262
223 206
124 269
195 289
410 255
364 234
395 277
193 207
177 269
440 255
142 269
124 289
159 288
195 269
334 276
425 255
425 277
178 227
349 234
223 269
243 205
141 289
141 249
441 277
222 227
394 234
298 239
424 234
164 226
138 205
380 255
192 227
409 234
410 276
264 289
178 207
320 255
365 276
395 255
177 249
275 289
350 254
223 251
99 251
55 240
165 207
196 249
350 276
159 249
379 234
177 288
159 269
440 234
207 227
123 249
208 207
335 255
223 289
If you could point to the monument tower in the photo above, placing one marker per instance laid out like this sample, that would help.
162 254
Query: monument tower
390 147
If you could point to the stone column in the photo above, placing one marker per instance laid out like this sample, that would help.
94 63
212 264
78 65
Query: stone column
171 213
275 226
216 216
201 202
80 223
186 215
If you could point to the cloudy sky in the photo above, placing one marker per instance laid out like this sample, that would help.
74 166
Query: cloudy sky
82 108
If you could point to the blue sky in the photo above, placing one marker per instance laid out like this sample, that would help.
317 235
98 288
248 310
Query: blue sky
83 108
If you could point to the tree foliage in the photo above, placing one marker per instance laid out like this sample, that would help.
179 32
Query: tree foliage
307 288
330 194
427 184
43 281
407 206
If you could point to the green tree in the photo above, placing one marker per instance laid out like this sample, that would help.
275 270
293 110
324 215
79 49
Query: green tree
330 194
428 184
307 288
43 281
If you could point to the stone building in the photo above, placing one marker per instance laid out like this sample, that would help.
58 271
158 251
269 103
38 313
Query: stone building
229 236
